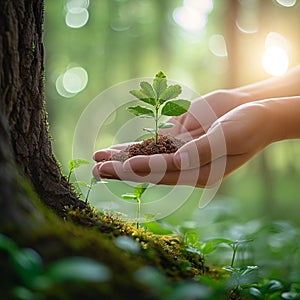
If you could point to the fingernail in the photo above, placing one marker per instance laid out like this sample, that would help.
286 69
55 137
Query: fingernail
182 160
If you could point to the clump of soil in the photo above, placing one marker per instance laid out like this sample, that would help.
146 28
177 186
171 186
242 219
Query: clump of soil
165 144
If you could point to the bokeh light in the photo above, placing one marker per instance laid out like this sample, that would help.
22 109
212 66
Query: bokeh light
217 45
77 14
287 3
73 81
275 61
192 16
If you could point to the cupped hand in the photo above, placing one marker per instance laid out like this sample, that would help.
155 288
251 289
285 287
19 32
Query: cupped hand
204 111
229 142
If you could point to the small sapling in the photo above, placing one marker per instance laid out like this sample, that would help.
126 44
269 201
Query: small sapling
161 100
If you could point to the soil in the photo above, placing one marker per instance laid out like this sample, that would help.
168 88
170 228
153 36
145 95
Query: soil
166 144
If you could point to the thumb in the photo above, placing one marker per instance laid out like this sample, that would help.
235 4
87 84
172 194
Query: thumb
201 151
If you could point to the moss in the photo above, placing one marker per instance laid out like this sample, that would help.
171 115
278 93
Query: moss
166 252
88 233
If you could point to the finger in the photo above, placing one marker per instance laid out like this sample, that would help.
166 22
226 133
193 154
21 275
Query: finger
95 170
104 155
115 170
202 150
150 163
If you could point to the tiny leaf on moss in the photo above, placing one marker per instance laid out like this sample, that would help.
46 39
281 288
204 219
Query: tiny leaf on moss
82 183
140 189
140 111
128 197
76 163
175 107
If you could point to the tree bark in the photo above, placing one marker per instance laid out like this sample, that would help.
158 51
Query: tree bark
23 118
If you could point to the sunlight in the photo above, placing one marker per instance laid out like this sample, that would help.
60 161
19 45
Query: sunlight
189 19
275 61
192 16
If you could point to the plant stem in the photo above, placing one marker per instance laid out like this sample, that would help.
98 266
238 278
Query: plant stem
69 175
156 124
234 248
138 212
87 194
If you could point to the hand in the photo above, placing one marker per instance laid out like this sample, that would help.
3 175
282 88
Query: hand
204 112
230 142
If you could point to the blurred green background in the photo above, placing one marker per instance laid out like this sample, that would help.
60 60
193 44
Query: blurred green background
206 45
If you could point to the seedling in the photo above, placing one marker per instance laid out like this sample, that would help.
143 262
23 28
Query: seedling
74 164
239 273
136 195
89 186
161 100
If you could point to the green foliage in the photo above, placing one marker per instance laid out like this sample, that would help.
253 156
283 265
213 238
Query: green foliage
159 96
35 278
89 186
136 195
74 164
128 244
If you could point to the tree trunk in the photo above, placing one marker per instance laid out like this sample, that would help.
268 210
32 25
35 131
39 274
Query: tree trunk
23 118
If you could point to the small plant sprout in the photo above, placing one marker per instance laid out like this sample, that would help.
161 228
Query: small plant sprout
74 164
161 100
89 186
136 196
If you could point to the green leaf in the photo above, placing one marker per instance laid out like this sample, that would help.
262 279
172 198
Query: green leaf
82 183
147 89
160 74
290 295
165 125
271 287
231 269
141 111
93 181
151 130
28 265
175 107
212 244
247 269
7 244
78 269
170 92
143 97
76 163
159 84
128 197
128 244
140 189
191 237
240 271
255 292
